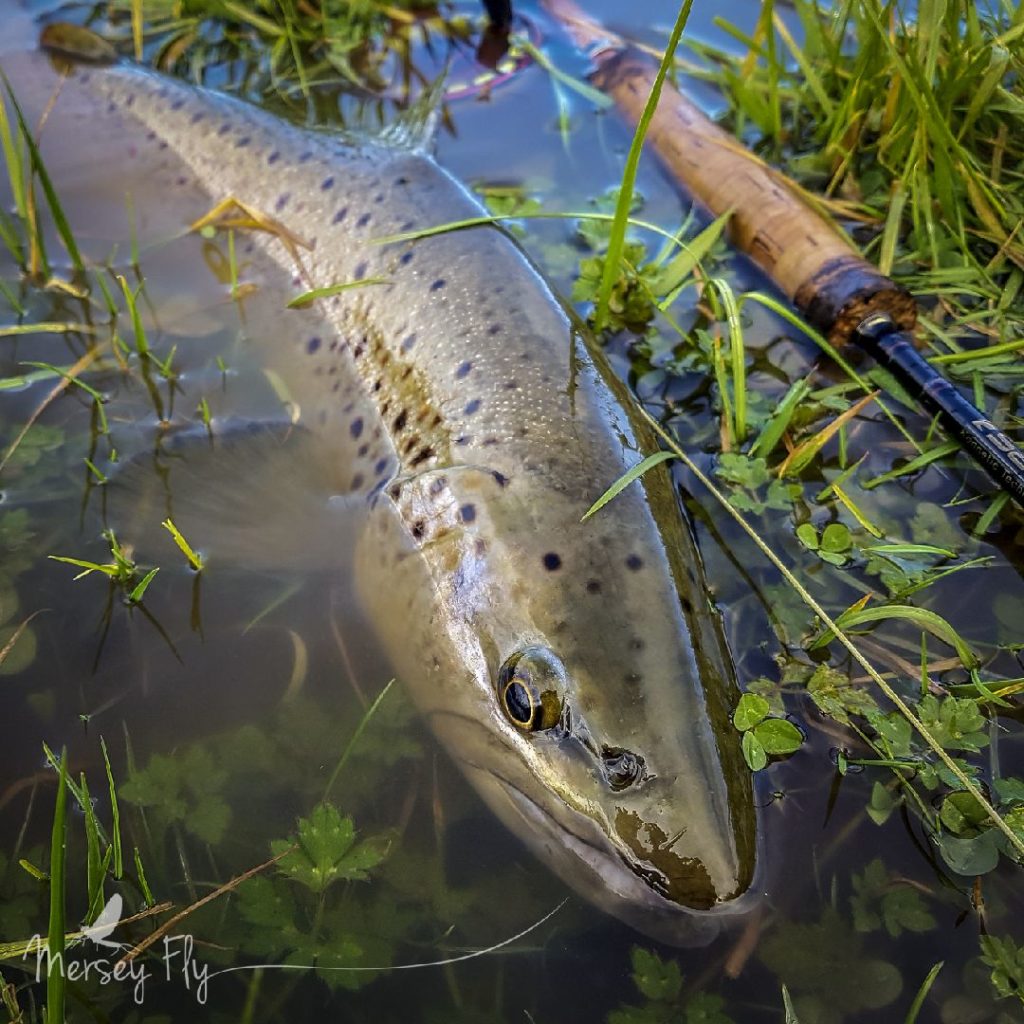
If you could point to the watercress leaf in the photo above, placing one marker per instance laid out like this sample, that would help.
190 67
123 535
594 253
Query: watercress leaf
751 709
778 736
836 538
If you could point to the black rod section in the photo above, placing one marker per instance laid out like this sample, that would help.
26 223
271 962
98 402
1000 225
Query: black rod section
990 447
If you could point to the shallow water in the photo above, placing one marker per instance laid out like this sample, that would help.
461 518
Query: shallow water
232 700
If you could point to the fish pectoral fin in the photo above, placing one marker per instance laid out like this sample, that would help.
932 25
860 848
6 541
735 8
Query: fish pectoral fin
260 496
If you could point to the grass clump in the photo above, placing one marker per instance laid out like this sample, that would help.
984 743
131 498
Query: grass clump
912 119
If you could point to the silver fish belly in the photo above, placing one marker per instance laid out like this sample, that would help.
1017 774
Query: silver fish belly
576 672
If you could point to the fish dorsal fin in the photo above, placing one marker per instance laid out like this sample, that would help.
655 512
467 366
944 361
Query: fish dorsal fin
415 127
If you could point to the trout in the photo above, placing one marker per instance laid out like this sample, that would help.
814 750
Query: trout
576 672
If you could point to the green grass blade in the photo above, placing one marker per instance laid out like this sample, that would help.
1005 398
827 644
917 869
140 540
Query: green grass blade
771 434
56 210
617 238
922 993
923 618
94 858
308 298
350 746
58 899
140 873
631 474
115 813
140 590
194 559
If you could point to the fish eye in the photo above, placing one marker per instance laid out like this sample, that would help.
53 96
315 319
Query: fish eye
530 688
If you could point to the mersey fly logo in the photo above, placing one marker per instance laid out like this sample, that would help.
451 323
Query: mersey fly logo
118 965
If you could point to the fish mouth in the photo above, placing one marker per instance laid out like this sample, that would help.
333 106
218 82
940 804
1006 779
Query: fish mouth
604 874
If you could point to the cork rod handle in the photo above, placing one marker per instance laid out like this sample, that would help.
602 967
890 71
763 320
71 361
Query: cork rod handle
830 283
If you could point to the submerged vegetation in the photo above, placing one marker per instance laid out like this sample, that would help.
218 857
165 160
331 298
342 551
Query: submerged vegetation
910 130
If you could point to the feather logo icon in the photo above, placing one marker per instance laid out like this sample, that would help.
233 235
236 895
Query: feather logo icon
105 923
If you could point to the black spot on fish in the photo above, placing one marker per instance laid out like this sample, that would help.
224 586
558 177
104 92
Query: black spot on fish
327 183
357 481
408 225
463 439
377 385
312 345
379 197
438 284
418 529
177 104
183 180
437 486
358 350
282 201
224 128
463 369
363 221
405 259
552 562
356 427
197 117
593 586
494 329
243 142
272 158
500 478
489 442
380 466
511 385
422 455
340 215
305 157
636 643
130 102
634 562
401 419
467 513
363 449
403 180
472 406
163 144
360 271
111 107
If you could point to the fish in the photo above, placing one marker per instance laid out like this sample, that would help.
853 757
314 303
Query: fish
576 672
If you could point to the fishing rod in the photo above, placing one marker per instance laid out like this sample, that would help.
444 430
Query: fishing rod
836 290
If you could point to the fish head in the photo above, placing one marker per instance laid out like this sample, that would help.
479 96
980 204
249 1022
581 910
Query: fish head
577 674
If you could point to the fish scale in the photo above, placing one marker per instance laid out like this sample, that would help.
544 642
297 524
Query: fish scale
476 426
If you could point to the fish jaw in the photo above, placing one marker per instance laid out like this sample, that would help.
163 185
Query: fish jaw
583 857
